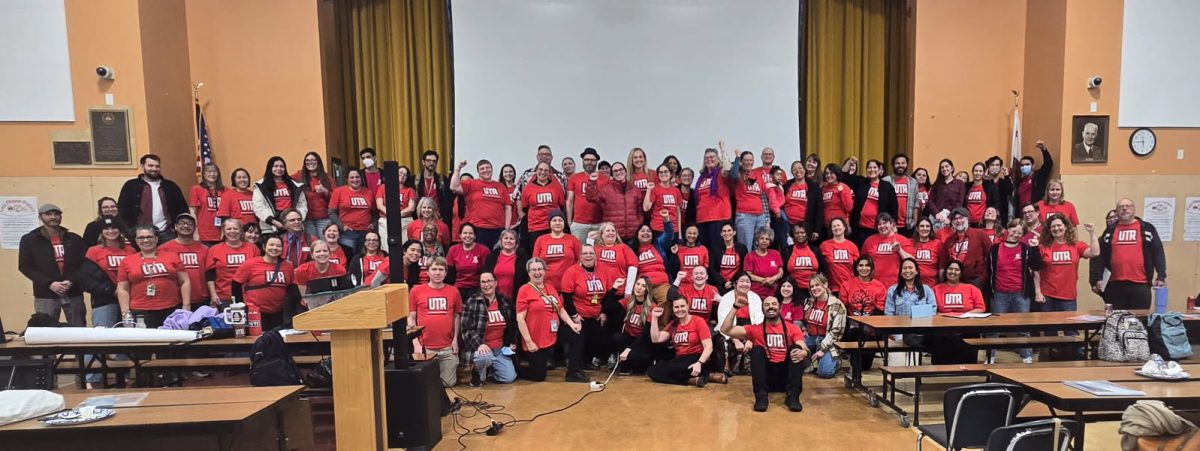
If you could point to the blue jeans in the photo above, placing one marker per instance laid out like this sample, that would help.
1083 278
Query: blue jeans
827 365
1060 305
506 372
104 316
316 227
352 239
1011 303
747 224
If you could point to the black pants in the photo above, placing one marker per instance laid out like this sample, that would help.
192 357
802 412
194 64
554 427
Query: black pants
272 320
570 344
674 371
710 237
641 354
154 318
531 238
597 344
536 369
785 376
1127 295
950 349
487 237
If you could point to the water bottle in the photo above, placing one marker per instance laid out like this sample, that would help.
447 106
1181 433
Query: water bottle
254 318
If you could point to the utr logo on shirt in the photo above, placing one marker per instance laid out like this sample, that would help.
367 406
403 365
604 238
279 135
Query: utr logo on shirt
641 183
438 306
804 261
276 278
595 286
975 196
924 255
816 316
635 320
544 198
954 299
1127 237
490 192
374 265
699 305
59 251
154 269
359 201
728 261
775 341
681 338
646 256
1060 258
873 193
282 192
691 260
608 255
495 317
669 199
800 194
961 247
246 205
841 256
214 202
115 260
554 250
901 188
189 259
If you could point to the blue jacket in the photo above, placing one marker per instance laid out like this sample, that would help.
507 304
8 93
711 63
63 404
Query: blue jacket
899 301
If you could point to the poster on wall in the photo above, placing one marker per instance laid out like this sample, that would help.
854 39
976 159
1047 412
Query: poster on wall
1191 219
18 215
1160 211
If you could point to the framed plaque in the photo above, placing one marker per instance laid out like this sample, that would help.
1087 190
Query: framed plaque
72 153
112 136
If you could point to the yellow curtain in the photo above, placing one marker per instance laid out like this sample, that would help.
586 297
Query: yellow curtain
396 78
856 83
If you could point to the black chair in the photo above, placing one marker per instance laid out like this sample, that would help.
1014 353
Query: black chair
1034 436
972 412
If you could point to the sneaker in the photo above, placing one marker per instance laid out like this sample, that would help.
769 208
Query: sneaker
991 360
1027 360
577 376
475 380
760 402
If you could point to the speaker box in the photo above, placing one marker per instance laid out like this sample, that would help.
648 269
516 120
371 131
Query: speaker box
30 374
414 395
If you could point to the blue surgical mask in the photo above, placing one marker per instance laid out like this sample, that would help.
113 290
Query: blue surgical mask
1025 170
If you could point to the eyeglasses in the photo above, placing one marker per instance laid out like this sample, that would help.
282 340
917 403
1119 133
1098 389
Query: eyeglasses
1029 212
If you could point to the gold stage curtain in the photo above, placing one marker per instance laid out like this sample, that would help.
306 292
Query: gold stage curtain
856 84
396 78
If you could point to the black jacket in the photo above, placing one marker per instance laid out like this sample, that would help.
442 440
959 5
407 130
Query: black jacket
862 187
714 263
1032 258
520 277
1154 259
129 203
1040 176
36 261
93 280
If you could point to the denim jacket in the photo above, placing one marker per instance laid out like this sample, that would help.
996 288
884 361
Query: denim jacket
899 301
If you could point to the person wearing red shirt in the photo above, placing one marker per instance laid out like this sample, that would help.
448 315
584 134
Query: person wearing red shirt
837 200
663 196
539 315
559 249
487 202
204 201
613 257
839 254
693 347
466 261
407 200
968 246
337 253
824 324
1030 183
1061 255
275 194
927 251
352 208
320 274
764 265
908 206
413 266
652 258
637 351
690 255
437 307
736 350
887 248
508 264
363 266
791 304
427 213
489 332
730 256
317 188
639 170
992 225
749 194
238 201
589 298
191 255
151 284
224 260
1132 252
108 255
1032 223
584 214
268 284
711 197
777 358
702 297
954 297
1054 203
1013 267
863 295
539 197
802 262
873 197
802 201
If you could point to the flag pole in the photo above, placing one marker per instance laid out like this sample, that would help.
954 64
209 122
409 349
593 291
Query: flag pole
197 117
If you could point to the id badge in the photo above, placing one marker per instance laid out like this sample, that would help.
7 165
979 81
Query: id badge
554 325
217 221
150 289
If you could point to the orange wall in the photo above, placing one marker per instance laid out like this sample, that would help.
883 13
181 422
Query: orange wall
168 87
969 57
260 62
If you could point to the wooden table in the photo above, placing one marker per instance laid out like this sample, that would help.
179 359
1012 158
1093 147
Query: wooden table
1099 373
180 419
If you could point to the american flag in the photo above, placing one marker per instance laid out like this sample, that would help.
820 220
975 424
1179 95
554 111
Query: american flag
204 155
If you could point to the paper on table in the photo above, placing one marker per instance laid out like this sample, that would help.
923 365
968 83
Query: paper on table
1103 388
1089 318
923 310
968 315
630 277
121 400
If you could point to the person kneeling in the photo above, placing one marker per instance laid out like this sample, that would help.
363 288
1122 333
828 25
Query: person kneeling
693 347
777 358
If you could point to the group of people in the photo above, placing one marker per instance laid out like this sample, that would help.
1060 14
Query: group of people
686 275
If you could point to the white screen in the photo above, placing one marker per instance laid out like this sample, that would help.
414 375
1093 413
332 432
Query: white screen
1160 61
669 76
35 82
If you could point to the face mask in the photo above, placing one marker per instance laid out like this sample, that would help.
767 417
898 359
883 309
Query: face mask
368 162
1025 170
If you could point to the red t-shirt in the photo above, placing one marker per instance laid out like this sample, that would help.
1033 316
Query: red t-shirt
962 297
1066 208
923 195
748 195
584 211
193 258
976 203
1009 269
493 333
587 289
763 266
559 253
612 262
1061 271
702 302
436 309
816 318
887 259
466 264
929 260
641 181
634 321
840 258
802 264
237 205
708 207
776 340
1127 261
669 198
374 179
60 252
541 314
838 201
354 207
415 227
337 255
406 195
863 297
506 273
486 202
153 283
283 196
795 203
109 258
370 264
538 201
258 273
318 203
731 263
651 264
1024 190
689 259
226 260
308 272
688 338
207 205
901 186
870 209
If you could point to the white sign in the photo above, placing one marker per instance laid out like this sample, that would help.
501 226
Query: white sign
18 215
1191 219
1160 211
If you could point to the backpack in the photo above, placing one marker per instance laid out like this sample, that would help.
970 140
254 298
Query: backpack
271 362
1168 337
1123 338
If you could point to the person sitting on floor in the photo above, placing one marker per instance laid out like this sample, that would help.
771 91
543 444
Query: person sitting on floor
777 358
693 347
824 323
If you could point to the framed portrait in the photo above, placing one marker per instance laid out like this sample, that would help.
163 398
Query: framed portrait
1089 139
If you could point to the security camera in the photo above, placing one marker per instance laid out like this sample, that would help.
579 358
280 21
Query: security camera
105 72
1094 81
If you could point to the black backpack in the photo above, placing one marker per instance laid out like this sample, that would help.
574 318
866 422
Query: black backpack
271 363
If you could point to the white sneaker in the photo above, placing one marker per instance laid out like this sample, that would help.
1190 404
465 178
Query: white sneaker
990 360
1027 360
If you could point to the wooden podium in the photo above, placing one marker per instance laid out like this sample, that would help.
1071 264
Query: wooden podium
357 352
